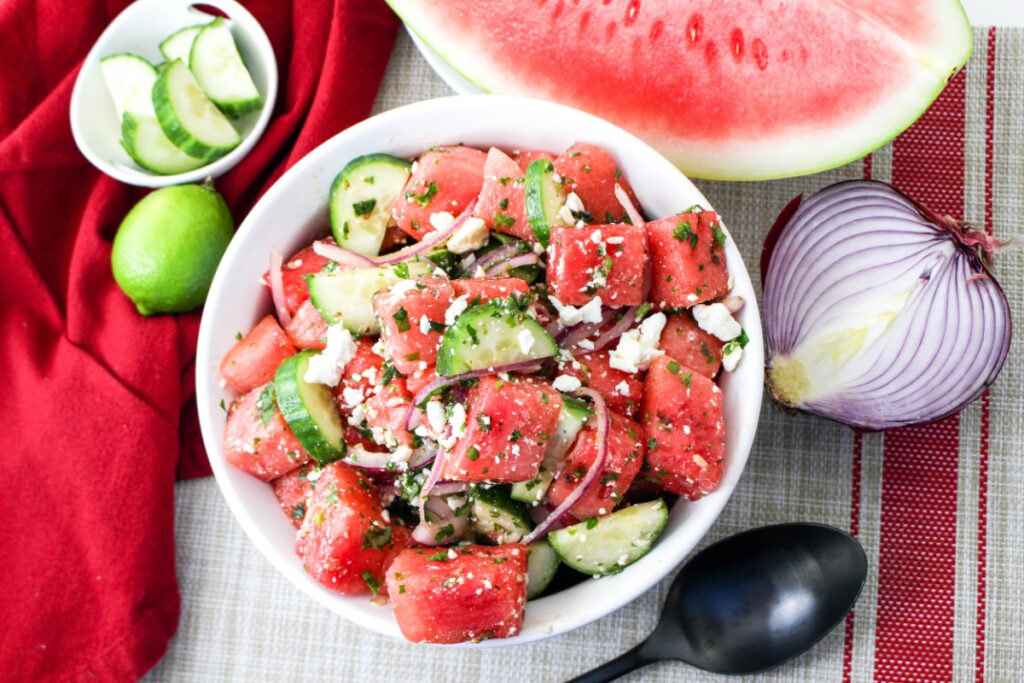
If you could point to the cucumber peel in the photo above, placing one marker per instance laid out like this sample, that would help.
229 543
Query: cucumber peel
309 410
606 545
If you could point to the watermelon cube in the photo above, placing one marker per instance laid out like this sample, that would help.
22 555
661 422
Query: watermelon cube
682 419
523 158
257 439
489 288
443 179
625 457
345 539
592 173
598 260
684 341
453 595
411 316
292 490
620 390
506 431
253 360
688 260
308 329
294 272
502 205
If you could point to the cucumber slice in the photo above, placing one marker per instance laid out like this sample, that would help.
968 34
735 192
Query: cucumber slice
608 544
497 518
346 296
220 71
309 410
130 80
532 492
144 140
178 45
189 118
541 564
361 199
488 335
544 198
571 419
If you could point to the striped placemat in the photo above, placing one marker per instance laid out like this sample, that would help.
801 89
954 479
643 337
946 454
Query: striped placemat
938 508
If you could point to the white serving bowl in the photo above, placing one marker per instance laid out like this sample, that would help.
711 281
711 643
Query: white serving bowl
139 29
294 211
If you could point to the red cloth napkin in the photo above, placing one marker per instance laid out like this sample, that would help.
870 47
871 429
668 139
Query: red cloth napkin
101 399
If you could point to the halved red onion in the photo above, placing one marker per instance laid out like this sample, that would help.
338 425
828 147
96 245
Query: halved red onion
505 266
378 462
603 421
878 313
277 289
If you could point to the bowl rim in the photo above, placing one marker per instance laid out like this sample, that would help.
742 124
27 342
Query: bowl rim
672 548
240 19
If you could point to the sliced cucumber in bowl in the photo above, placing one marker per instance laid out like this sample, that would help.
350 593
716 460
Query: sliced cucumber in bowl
178 45
607 545
491 335
220 71
361 199
309 410
188 117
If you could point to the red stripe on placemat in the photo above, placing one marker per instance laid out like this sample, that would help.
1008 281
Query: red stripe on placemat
917 554
979 636
854 519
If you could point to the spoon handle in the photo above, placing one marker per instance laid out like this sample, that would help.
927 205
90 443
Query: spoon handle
619 666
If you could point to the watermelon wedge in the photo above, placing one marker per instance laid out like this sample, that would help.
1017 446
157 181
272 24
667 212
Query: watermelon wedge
726 89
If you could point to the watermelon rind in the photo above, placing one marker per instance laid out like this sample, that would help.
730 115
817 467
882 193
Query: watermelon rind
793 148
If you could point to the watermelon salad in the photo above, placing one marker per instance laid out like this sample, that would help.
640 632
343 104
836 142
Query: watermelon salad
489 381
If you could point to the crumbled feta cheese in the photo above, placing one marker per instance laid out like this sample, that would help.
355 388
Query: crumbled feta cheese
570 315
692 297
440 273
566 383
442 220
595 237
585 344
565 215
538 248
424 324
731 355
401 454
455 310
686 429
471 235
526 341
715 319
458 419
326 366
622 388
617 239
638 347
402 287
297 263
479 273
435 416
574 202
351 397
452 554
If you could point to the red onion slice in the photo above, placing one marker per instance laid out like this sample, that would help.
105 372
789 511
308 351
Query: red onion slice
603 421
502 253
504 267
627 204
350 259
434 533
341 256
525 366
277 289
878 314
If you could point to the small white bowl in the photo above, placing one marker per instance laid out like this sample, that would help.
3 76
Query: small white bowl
139 29
294 211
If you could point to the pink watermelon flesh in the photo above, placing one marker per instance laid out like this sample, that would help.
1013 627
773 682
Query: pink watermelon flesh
730 89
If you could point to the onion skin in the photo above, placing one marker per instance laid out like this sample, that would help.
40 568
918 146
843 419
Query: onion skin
878 312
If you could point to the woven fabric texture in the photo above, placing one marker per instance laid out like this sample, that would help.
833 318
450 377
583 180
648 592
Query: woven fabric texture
937 508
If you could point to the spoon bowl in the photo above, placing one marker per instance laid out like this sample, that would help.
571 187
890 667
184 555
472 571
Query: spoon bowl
752 601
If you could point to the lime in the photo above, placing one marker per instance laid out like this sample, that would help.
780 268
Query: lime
168 247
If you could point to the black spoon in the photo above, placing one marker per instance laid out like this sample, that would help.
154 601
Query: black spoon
752 601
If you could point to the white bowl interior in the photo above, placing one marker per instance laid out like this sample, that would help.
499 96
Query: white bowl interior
294 210
139 29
